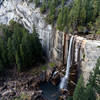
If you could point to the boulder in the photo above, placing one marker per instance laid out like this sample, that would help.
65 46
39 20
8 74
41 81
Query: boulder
3 87
63 97
55 79
49 73
64 91
8 93
36 94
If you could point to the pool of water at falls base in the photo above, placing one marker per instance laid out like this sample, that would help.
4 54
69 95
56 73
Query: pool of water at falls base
50 91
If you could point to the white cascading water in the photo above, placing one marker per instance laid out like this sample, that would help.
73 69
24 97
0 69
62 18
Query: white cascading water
64 80
76 52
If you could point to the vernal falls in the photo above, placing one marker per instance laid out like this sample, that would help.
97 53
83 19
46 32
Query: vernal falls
64 81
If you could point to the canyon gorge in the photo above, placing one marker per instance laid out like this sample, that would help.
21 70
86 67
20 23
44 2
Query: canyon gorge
84 52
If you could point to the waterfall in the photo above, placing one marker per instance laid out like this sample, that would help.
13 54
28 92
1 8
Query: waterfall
64 80
76 52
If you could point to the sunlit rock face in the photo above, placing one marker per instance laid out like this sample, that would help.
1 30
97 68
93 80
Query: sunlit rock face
88 54
26 14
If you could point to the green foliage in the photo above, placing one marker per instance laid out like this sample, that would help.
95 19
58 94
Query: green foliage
70 17
93 86
37 3
89 93
51 64
43 8
79 90
70 98
18 62
96 6
22 97
97 25
83 56
18 47
51 14
44 68
62 19
94 80
1 66
30 1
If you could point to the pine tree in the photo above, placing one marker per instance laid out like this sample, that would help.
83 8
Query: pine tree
75 13
44 6
60 21
52 14
70 98
18 62
1 66
79 90
89 10
20 48
94 79
96 7
89 93
3 51
97 25
10 50
62 18
37 3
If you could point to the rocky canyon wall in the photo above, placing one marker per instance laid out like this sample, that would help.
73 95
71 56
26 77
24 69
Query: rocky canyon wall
85 52
55 43
88 53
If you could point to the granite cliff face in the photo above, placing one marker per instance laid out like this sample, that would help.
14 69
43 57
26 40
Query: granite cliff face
26 14
88 53
55 43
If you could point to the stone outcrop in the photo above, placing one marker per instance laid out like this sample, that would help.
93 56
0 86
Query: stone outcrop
88 53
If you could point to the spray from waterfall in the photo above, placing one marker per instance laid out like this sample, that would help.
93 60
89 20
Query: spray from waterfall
64 80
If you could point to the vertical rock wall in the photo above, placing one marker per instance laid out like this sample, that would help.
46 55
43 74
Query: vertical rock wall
89 52
58 48
26 14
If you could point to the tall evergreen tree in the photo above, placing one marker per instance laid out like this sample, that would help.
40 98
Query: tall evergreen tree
79 91
94 80
18 62
37 3
96 7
